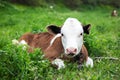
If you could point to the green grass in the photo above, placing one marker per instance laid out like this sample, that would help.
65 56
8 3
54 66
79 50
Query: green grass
104 41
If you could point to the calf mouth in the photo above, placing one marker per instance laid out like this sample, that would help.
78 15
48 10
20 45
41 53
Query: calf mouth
71 55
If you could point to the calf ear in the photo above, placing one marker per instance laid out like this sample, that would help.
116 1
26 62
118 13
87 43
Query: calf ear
86 28
53 29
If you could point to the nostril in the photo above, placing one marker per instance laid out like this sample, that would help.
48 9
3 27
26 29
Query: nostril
71 50
75 50
67 50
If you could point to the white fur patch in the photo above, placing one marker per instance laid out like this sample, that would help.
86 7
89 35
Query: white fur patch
56 36
89 62
71 38
59 63
22 43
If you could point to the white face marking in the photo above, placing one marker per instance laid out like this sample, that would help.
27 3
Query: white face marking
72 36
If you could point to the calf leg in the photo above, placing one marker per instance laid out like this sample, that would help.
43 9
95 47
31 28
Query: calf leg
81 60
55 61
89 62
83 56
59 63
53 53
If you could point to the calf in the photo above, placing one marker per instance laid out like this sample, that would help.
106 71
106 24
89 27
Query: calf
61 43
114 13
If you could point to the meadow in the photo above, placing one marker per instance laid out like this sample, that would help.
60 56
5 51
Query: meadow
103 41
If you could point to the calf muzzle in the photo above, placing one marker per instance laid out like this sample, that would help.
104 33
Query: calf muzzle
71 51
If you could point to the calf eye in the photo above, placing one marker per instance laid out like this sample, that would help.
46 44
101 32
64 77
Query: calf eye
81 34
62 34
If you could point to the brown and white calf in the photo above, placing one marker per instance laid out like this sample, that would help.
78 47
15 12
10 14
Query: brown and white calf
61 43
114 13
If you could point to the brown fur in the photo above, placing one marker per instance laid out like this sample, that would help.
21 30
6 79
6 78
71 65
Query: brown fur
42 41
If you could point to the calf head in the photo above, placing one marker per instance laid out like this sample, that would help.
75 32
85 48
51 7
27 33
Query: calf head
71 35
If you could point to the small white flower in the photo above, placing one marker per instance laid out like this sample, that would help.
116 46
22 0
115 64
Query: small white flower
15 42
43 61
51 7
42 56
34 68
24 47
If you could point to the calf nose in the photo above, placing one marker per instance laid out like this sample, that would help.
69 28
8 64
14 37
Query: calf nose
71 50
